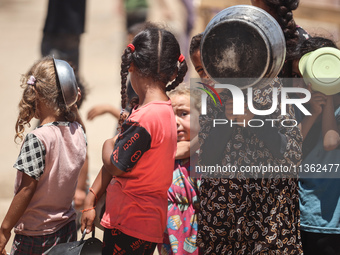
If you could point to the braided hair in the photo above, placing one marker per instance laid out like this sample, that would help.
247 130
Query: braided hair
284 16
155 53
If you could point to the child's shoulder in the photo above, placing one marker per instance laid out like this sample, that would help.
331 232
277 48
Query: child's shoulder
49 130
154 109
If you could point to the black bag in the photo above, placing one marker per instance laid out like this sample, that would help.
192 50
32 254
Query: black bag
91 246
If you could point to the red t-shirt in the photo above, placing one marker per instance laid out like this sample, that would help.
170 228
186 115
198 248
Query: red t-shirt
136 202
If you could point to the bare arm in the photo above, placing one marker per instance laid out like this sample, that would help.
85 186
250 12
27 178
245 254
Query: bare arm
79 196
17 208
317 102
102 109
99 187
330 131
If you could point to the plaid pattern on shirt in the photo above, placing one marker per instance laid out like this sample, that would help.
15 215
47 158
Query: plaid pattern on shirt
31 159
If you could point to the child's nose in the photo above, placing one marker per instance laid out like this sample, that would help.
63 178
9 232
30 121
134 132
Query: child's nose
177 121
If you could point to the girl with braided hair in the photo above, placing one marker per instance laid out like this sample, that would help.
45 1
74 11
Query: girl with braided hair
138 163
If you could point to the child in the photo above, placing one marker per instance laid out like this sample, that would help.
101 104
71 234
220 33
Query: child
238 214
181 232
319 197
48 166
139 162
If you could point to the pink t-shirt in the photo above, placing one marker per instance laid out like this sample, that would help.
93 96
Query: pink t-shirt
53 154
136 202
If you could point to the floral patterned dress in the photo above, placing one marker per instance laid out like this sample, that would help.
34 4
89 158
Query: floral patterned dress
181 233
258 215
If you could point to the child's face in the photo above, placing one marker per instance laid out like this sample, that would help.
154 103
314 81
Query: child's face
183 113
299 83
196 61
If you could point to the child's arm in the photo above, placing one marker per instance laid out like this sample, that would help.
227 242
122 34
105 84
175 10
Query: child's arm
330 131
317 102
96 191
185 149
17 208
80 194
102 109
106 156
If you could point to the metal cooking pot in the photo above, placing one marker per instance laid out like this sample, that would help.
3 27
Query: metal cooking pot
67 81
245 42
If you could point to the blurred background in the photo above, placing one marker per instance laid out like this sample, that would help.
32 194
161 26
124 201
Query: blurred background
101 45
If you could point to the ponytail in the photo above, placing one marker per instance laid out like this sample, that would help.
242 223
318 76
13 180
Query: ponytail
182 70
126 61
285 18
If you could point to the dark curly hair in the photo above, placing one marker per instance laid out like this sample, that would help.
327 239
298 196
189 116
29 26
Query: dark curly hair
312 44
156 55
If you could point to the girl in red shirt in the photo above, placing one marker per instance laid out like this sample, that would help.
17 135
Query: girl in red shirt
138 163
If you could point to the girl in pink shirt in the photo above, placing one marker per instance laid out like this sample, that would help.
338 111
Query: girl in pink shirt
138 163
48 165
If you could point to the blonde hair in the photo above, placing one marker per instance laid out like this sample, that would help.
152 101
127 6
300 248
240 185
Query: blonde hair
183 90
44 88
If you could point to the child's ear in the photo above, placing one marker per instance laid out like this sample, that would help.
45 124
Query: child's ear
132 67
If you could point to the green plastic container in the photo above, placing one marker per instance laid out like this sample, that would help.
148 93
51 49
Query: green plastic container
321 68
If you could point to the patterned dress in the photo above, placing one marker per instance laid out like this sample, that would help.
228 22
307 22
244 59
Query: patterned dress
242 215
181 233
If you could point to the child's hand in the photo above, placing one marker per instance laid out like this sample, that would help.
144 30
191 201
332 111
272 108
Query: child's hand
248 115
317 102
4 237
102 109
97 111
87 220
183 150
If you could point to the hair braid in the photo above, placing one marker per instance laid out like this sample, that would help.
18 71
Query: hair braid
182 70
126 61
285 18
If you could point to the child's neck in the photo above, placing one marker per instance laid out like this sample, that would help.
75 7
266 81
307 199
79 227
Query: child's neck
148 91
50 119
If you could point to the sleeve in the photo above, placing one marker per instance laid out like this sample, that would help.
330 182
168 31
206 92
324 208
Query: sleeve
31 159
130 146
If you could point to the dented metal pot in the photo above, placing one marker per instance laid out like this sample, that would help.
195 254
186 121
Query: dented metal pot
245 44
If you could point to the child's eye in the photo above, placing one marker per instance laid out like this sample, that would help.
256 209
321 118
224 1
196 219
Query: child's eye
296 75
184 114
199 71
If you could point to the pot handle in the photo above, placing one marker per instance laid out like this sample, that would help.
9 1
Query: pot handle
84 234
